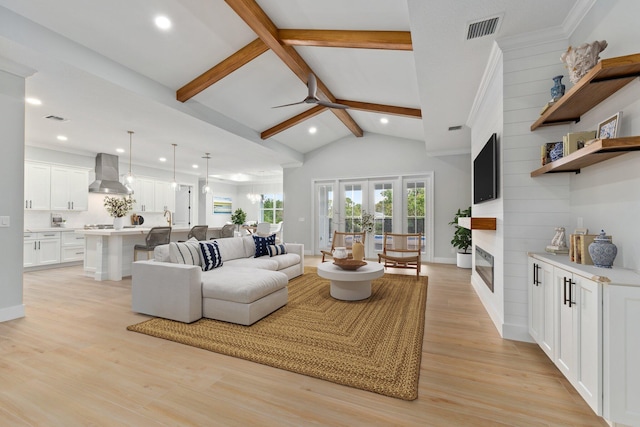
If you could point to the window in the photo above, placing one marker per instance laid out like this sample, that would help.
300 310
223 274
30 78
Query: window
416 214
352 207
271 208
383 214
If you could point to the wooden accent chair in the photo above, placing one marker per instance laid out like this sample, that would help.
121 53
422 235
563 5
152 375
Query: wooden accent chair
401 251
156 236
342 239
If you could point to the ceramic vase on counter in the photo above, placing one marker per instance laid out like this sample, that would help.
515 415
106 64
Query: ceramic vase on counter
603 251
118 222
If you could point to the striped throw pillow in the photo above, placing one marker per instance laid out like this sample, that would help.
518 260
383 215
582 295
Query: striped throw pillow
277 250
262 244
184 253
210 254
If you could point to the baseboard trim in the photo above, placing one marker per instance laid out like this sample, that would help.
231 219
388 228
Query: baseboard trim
440 260
11 313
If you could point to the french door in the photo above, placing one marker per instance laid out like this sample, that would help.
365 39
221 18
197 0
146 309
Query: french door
397 204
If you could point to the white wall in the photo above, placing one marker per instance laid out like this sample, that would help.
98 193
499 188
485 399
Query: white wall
11 188
487 120
377 155
606 195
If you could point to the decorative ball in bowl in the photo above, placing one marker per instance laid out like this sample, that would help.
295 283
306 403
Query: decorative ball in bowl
348 263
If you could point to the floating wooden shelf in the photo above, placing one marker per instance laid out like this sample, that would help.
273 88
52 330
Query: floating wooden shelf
598 151
606 78
477 223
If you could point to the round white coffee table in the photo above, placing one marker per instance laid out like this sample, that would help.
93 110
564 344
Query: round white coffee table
350 285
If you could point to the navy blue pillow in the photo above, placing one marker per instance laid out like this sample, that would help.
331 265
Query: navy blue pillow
262 244
210 254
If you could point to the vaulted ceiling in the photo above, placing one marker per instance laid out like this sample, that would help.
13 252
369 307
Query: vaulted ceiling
209 83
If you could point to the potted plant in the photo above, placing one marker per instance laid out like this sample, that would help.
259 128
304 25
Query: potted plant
462 239
238 218
118 207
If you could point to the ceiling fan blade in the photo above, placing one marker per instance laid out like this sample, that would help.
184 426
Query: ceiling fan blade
312 84
288 105
332 105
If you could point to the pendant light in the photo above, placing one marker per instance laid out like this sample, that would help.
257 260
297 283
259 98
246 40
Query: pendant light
253 197
206 189
130 178
174 184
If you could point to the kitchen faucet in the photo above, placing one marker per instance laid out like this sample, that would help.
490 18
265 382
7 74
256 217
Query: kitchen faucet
170 219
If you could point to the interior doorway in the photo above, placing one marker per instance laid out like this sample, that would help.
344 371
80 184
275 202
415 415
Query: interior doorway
182 215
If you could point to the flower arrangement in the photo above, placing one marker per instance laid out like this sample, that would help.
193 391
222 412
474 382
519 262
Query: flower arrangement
367 222
118 207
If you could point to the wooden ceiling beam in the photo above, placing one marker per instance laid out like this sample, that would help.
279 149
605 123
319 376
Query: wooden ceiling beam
223 69
392 40
261 24
414 113
292 121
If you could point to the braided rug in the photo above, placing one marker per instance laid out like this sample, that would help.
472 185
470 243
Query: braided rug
373 345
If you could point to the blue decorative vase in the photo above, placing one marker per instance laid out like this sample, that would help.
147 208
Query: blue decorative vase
603 251
557 152
558 88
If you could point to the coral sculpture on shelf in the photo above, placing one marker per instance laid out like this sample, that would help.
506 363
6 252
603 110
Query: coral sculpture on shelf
579 60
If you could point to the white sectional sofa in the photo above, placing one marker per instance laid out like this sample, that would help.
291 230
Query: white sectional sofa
243 290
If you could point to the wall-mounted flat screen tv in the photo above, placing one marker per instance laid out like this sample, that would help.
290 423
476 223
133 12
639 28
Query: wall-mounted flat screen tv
485 172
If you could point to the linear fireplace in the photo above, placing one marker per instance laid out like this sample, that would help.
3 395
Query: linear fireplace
484 266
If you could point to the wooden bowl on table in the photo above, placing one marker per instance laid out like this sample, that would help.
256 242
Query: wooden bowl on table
348 263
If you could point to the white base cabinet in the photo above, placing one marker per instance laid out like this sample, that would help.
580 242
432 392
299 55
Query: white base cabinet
72 248
41 249
622 354
586 320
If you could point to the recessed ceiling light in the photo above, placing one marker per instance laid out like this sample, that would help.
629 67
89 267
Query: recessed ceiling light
163 159
33 101
119 150
194 166
313 130
384 120
62 138
162 22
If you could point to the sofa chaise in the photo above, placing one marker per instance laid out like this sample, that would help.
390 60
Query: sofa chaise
238 279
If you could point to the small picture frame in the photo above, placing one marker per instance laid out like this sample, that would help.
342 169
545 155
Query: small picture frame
609 128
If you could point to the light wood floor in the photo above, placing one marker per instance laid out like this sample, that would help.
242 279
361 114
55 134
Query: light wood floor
70 362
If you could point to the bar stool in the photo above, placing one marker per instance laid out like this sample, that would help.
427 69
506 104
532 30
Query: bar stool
199 232
157 236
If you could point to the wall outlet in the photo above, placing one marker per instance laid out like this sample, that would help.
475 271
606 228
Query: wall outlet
301 219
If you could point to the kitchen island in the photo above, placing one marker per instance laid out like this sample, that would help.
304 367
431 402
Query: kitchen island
108 253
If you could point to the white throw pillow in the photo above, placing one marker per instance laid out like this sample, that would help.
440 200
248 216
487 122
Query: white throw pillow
185 253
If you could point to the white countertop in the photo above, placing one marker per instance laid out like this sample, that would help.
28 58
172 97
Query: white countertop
126 231
615 275
49 229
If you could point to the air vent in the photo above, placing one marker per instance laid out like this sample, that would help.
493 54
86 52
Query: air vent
455 128
56 118
483 28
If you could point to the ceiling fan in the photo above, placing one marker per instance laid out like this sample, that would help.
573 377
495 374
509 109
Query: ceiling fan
311 98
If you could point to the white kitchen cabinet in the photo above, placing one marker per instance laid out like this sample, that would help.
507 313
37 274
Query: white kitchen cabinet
41 248
144 194
72 247
69 189
37 186
579 334
622 354
542 308
165 196
597 341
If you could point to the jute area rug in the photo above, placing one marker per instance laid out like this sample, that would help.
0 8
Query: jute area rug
373 345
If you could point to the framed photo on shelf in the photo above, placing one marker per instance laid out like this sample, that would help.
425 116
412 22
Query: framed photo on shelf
609 128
